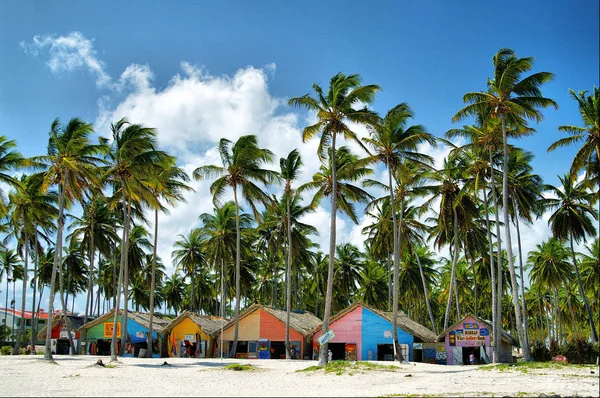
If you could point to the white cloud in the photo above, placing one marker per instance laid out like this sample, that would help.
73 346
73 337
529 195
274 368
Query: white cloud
68 53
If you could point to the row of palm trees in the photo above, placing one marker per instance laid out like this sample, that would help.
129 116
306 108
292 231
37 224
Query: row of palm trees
482 187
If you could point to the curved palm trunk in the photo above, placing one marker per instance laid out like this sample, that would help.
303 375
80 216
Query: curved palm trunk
491 249
453 272
397 246
58 250
594 333
499 291
34 314
21 333
523 303
153 287
288 274
323 357
125 285
90 295
511 266
237 273
425 290
113 343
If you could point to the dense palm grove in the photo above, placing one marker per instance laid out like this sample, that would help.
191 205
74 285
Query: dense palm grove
76 220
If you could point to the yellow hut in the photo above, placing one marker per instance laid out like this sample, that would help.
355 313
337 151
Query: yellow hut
192 335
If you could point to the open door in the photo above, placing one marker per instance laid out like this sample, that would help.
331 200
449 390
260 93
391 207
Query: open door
457 357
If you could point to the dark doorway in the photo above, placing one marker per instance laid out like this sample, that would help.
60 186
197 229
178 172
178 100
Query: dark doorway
103 347
62 347
385 352
277 350
467 351
338 351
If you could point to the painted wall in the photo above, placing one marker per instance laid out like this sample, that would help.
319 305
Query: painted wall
366 329
248 328
470 333
347 329
97 332
55 333
188 327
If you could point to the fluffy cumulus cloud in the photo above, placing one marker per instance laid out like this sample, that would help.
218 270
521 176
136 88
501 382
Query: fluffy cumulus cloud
68 53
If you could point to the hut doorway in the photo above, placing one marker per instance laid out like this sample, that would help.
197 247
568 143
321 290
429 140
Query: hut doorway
62 347
338 351
385 352
467 351
277 350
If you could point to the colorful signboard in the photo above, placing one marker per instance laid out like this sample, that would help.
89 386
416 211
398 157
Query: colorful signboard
326 337
484 332
470 326
108 329
452 337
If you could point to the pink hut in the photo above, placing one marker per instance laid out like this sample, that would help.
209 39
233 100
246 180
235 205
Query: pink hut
474 336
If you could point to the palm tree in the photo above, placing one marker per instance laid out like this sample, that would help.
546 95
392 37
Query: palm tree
512 99
242 168
173 291
188 257
9 261
72 165
349 263
168 186
135 163
590 272
572 220
373 284
9 160
334 110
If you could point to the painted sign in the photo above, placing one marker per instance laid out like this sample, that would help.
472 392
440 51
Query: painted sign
452 337
350 352
264 351
326 337
484 332
460 335
190 337
417 346
108 329
139 335
387 334
470 325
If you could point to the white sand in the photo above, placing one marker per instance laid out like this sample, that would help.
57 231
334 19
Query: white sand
76 376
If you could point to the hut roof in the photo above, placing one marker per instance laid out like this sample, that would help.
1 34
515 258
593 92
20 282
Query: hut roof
76 322
506 336
211 325
403 321
158 322
302 322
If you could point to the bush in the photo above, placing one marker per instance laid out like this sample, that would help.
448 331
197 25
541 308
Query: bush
6 350
539 352
580 351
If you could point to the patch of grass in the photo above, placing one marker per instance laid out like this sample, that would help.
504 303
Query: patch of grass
525 367
341 367
110 366
239 367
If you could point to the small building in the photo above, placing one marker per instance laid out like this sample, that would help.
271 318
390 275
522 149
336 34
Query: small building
12 318
59 334
365 333
261 333
474 336
194 330
99 332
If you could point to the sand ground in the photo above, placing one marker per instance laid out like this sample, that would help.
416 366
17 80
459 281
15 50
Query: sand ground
78 376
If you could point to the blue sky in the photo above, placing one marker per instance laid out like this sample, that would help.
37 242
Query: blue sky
243 60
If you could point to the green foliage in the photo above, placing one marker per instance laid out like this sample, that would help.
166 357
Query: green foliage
580 351
6 350
540 353
341 367
239 367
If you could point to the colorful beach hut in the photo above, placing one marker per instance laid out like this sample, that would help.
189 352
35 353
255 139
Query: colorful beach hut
194 332
365 333
59 335
99 332
474 336
261 333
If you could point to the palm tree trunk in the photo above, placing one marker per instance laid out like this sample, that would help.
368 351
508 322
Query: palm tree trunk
99 279
6 299
425 290
573 320
288 274
61 274
34 315
390 262
397 236
125 248
511 266
58 250
499 291
475 284
490 248
153 287
113 344
90 297
323 357
594 333
237 273
453 271
523 303
21 333
114 274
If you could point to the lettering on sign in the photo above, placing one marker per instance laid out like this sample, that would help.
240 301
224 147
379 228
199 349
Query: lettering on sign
470 325
190 337
472 332
108 329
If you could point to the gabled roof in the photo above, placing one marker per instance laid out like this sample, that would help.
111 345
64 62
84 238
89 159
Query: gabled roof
507 337
211 325
404 322
302 322
158 322
75 321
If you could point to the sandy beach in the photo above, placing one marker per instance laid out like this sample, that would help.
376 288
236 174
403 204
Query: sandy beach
78 376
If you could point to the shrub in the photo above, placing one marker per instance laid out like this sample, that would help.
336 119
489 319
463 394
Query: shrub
580 351
6 350
539 352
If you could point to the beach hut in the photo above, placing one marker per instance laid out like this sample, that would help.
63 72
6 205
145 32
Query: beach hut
365 333
99 332
262 333
59 335
195 331
474 336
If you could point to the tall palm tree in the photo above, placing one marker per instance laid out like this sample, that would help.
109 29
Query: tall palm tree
335 109
10 160
9 261
173 291
169 185
572 220
349 263
188 256
242 168
134 164
289 169
512 99
72 165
